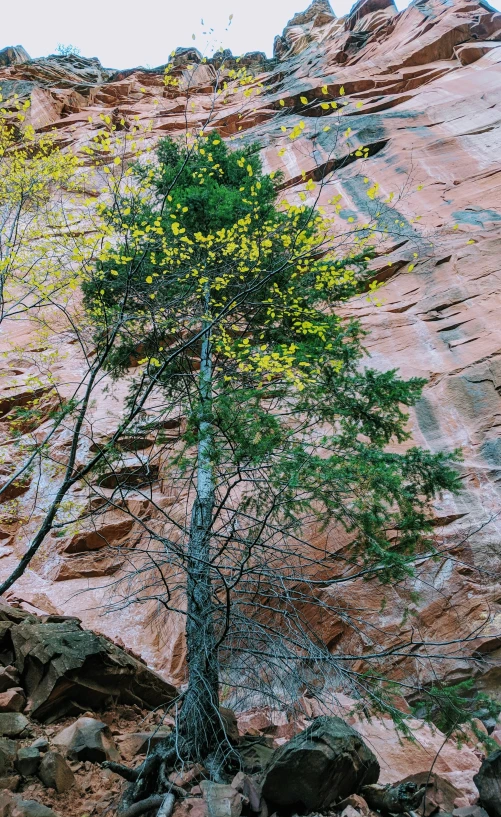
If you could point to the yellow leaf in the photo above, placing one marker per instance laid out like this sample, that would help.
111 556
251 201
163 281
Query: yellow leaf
149 279
282 102
304 100
324 89
341 91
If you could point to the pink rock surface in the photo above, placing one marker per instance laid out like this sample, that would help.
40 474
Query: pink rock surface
401 759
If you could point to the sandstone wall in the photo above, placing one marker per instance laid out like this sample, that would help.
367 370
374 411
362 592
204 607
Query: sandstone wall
429 79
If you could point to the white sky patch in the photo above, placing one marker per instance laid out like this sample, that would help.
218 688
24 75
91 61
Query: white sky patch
127 33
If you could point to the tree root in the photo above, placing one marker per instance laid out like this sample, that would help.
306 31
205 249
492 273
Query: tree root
177 790
167 806
393 799
132 775
164 803
144 805
128 774
152 776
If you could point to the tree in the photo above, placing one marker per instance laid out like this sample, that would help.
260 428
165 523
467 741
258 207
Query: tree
67 50
33 171
227 300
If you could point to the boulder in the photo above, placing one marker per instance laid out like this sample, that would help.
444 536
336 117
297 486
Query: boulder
222 800
66 668
28 761
12 724
8 750
29 808
356 802
12 700
10 782
250 790
87 739
55 773
42 744
326 762
470 811
271 722
5 804
139 743
349 811
187 776
488 783
189 807
256 752
9 678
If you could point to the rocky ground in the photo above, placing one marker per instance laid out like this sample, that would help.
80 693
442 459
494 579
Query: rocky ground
64 712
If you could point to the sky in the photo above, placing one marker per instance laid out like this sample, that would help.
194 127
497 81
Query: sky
126 33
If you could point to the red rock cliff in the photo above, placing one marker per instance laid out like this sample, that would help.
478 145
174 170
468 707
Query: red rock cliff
429 79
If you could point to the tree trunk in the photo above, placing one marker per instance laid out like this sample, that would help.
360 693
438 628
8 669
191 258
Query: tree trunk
200 722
